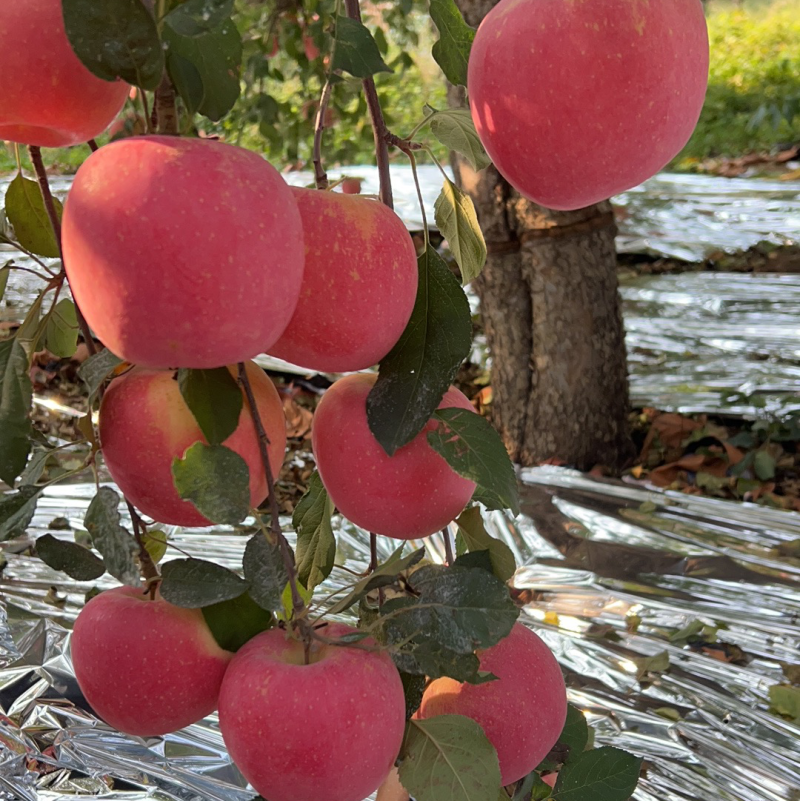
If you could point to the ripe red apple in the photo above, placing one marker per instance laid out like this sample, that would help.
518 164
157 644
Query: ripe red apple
409 495
522 713
146 667
329 730
359 285
182 252
145 424
49 98
578 100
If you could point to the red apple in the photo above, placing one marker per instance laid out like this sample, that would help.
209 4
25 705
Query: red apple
145 666
351 186
49 98
182 252
576 100
359 285
409 495
328 730
145 424
522 713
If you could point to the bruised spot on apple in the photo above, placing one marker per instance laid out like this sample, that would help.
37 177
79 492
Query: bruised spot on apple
329 730
182 252
409 495
49 98
522 713
145 666
359 285
578 100
145 424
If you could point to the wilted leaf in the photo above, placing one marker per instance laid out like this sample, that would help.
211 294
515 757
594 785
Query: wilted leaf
316 543
458 223
356 51
26 211
651 664
214 399
115 543
195 583
76 561
785 700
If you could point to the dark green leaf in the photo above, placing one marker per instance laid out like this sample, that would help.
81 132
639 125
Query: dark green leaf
455 129
414 689
215 400
196 17
764 465
216 480
69 557
16 393
449 758
356 51
115 543
417 372
475 451
4 273
216 57
455 41
575 734
16 512
604 774
61 333
316 544
265 570
236 621
458 224
35 466
26 211
480 559
115 39
96 369
195 583
477 538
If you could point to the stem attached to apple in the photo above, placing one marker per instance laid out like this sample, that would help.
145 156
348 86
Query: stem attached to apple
148 567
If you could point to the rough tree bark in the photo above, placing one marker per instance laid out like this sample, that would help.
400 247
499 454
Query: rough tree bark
551 310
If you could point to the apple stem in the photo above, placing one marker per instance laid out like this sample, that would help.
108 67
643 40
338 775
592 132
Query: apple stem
448 546
47 196
93 146
146 564
320 176
165 113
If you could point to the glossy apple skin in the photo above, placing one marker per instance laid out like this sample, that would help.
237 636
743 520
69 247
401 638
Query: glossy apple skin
578 100
144 424
328 730
182 252
522 713
49 98
359 285
146 667
407 496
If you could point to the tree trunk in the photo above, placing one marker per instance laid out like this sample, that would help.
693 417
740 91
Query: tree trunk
551 310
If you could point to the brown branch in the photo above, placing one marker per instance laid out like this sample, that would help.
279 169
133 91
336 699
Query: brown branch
320 176
148 567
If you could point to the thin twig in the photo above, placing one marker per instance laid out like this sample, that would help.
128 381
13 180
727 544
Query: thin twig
448 546
373 552
320 176
148 567
93 146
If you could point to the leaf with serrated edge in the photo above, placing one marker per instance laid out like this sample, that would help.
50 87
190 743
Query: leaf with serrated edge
195 583
475 451
76 561
452 49
449 758
26 211
214 399
265 571
419 369
477 538
603 774
356 51
455 129
458 223
16 394
316 543
115 543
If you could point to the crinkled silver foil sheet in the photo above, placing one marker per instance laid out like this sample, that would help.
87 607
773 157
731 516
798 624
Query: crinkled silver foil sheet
595 555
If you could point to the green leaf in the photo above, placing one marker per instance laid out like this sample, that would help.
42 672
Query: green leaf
539 790
455 41
604 774
155 543
475 451
316 543
449 758
195 583
16 512
215 400
5 270
16 393
355 51
26 211
96 369
417 372
61 333
70 558
785 700
236 621
35 466
575 734
216 480
651 664
196 17
458 224
266 572
455 129
32 328
205 68
477 538
115 543
764 465
115 39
